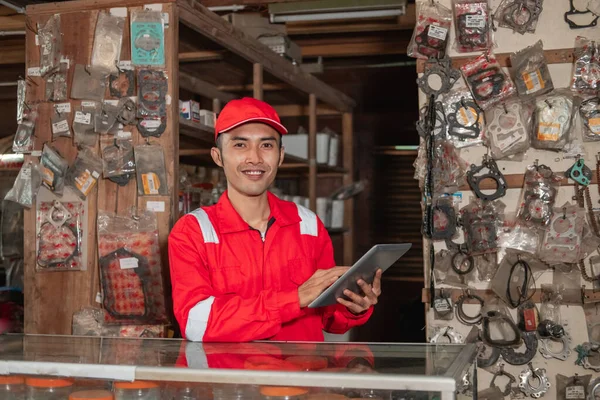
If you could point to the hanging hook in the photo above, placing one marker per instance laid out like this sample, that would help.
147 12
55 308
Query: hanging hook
564 209
548 103
505 109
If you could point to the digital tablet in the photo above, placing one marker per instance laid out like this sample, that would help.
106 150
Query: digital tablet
380 256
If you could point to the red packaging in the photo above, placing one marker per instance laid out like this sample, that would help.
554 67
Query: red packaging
431 33
488 83
472 23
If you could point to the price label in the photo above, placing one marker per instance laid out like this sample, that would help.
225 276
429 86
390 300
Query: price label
575 393
151 183
125 65
48 177
85 182
476 21
533 81
437 32
128 263
36 153
112 102
60 126
95 174
151 123
34 71
548 131
594 125
99 298
88 104
26 173
442 305
83 118
155 206
63 108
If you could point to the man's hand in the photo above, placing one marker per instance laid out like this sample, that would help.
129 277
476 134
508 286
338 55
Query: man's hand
359 304
316 284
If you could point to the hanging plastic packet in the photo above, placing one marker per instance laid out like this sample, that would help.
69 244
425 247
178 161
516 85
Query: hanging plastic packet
563 236
107 42
83 124
83 175
60 121
105 119
432 31
552 121
118 160
519 15
152 91
514 280
54 170
465 120
26 186
486 265
589 117
573 387
152 127
443 309
481 221
130 269
508 130
529 71
551 299
50 39
151 170
586 69
448 168
453 268
592 319
21 98
147 38
88 83
122 83
539 195
56 83
24 137
444 219
472 23
60 236
487 81
126 111
528 317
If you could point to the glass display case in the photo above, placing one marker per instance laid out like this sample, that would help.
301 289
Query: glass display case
179 370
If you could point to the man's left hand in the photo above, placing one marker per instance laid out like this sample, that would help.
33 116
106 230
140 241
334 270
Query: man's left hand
359 304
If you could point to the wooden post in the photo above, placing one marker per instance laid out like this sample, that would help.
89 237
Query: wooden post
312 151
216 106
348 156
258 81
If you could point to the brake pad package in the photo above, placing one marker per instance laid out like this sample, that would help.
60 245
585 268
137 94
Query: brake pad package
151 170
529 71
431 33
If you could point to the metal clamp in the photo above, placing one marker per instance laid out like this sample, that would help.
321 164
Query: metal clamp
525 382
448 332
563 354
501 372
493 173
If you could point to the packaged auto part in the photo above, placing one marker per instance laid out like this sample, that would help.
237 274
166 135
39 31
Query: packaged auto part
88 83
444 219
529 71
439 129
83 175
50 39
582 14
151 170
528 376
60 234
586 68
487 80
589 116
56 83
481 221
465 120
152 91
105 119
107 42
472 23
447 167
147 38
508 127
443 71
126 114
130 269
54 170
539 195
519 15
462 316
514 235
515 277
563 236
152 127
443 309
588 355
122 83
60 124
118 160
573 387
486 265
488 169
26 186
528 316
593 389
24 140
431 33
83 124
444 272
553 117
551 299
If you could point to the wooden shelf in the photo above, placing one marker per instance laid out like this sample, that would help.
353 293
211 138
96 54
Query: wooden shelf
195 130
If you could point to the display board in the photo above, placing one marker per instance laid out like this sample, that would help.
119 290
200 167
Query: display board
558 42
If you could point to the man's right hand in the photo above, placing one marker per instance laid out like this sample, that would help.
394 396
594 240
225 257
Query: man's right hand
316 284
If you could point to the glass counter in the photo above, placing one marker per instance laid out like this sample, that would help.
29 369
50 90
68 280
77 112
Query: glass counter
258 370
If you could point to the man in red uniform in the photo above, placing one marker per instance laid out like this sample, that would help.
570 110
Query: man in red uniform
247 268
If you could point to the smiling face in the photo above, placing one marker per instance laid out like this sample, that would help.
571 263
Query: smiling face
250 156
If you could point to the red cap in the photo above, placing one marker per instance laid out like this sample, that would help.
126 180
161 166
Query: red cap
238 112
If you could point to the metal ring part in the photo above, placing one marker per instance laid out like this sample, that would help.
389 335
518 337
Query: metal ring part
457 263
462 316
531 343
594 389
563 354
493 173
508 388
448 332
527 388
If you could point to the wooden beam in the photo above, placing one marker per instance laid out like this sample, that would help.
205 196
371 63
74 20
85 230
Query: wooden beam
217 3
13 23
216 106
203 88
515 181
556 56
248 88
301 110
12 51
257 81
202 20
358 46
82 5
312 152
193 152
199 56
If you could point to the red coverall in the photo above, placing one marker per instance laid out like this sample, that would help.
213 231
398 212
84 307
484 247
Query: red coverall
231 286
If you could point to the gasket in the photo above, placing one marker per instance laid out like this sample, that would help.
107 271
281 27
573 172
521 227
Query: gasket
440 122
470 36
58 214
584 351
493 316
152 91
507 128
513 12
66 232
448 332
470 130
574 11
492 353
493 173
123 84
580 172
486 83
444 221
462 263
510 355
511 379
460 313
442 68
563 354
152 127
430 46
525 382
589 110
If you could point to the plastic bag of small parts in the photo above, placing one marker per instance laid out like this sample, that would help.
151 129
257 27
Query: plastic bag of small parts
107 42
586 69
448 168
24 140
26 186
551 299
444 218
50 39
539 194
473 25
88 83
529 71
83 124
552 120
592 319
106 118
563 235
60 234
487 80
130 266
147 38
83 175
443 309
516 275
481 222
519 15
567 278
520 237
588 112
432 31
151 170
486 265
56 83
118 159
508 129
572 387
54 170
61 126
445 274
465 120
